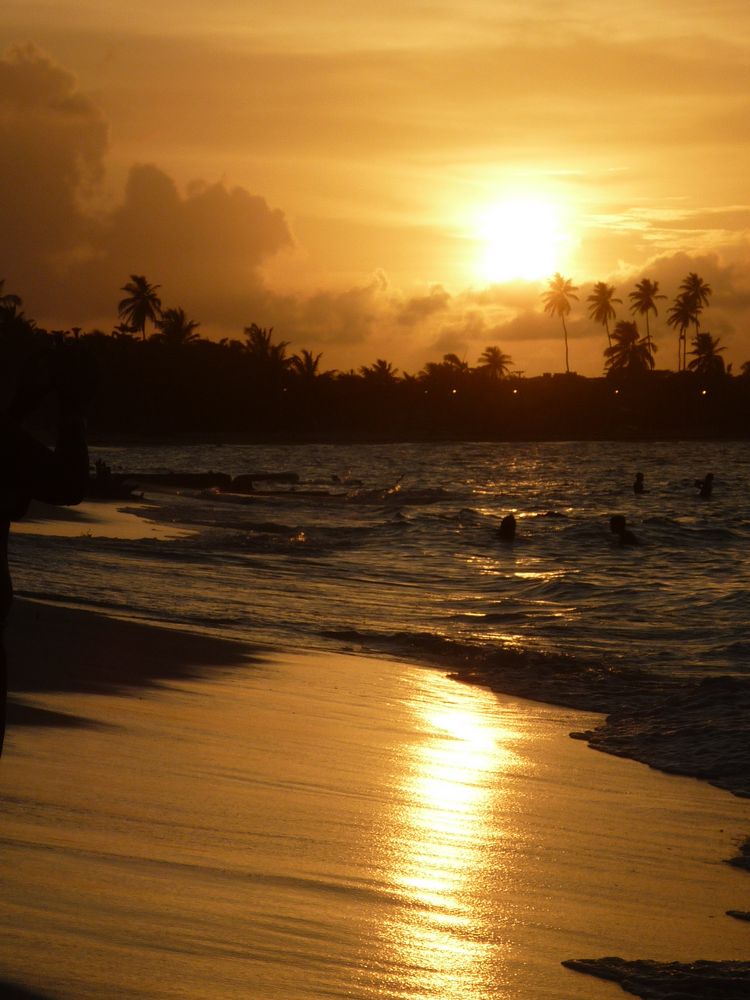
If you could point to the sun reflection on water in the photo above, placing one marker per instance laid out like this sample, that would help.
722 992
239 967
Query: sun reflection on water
444 847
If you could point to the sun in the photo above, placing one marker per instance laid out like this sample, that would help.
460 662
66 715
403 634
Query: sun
522 238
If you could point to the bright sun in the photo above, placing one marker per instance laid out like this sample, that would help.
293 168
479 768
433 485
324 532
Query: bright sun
521 238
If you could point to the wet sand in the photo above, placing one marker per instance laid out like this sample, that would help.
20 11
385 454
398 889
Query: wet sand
217 821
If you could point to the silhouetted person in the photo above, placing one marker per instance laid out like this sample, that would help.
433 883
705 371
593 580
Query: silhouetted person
639 486
31 471
103 472
507 530
619 528
705 486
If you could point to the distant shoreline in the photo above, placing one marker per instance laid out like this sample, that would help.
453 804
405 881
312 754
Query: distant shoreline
268 439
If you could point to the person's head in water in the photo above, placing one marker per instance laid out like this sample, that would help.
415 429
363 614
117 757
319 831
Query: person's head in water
638 485
507 529
705 485
619 528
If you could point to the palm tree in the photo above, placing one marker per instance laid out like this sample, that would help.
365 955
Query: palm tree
681 314
123 331
705 352
600 302
305 365
381 371
644 301
142 303
696 291
267 359
455 364
494 363
175 329
443 375
7 299
630 353
557 303
14 325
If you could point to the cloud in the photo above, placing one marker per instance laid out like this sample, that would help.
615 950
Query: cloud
419 307
204 248
68 256
52 146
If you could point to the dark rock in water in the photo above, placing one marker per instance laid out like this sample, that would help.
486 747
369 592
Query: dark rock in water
671 980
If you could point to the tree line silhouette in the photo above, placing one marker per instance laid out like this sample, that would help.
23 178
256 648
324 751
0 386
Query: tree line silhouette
159 377
627 350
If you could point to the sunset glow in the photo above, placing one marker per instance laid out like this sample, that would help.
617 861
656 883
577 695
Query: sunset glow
373 182
522 238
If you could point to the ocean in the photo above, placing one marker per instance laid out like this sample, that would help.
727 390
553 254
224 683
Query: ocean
394 548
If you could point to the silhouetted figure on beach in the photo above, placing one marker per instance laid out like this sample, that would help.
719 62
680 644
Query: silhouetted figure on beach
31 471
639 486
705 486
619 528
507 530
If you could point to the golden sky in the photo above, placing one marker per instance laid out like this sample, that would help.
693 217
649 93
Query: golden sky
386 179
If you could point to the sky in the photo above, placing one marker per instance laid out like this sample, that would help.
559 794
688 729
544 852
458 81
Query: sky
378 180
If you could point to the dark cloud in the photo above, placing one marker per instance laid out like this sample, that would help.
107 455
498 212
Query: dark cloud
419 307
203 248
67 256
335 317
52 147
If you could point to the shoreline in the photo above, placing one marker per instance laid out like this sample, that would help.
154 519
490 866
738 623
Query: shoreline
107 439
129 656
694 728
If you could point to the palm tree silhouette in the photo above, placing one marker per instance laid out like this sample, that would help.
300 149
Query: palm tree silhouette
7 299
266 358
557 303
681 314
629 353
697 292
381 371
305 364
494 363
643 301
693 295
705 352
142 303
456 364
175 329
600 302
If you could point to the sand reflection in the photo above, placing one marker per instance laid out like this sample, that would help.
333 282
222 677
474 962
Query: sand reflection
443 842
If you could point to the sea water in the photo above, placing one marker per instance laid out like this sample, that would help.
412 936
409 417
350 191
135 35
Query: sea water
394 547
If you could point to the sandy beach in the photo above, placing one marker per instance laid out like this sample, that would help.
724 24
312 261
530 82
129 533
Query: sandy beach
189 817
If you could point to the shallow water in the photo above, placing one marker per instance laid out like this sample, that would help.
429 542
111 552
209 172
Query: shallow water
394 547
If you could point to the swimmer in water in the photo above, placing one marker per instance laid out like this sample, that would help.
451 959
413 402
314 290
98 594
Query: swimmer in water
619 528
507 530
638 485
705 486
